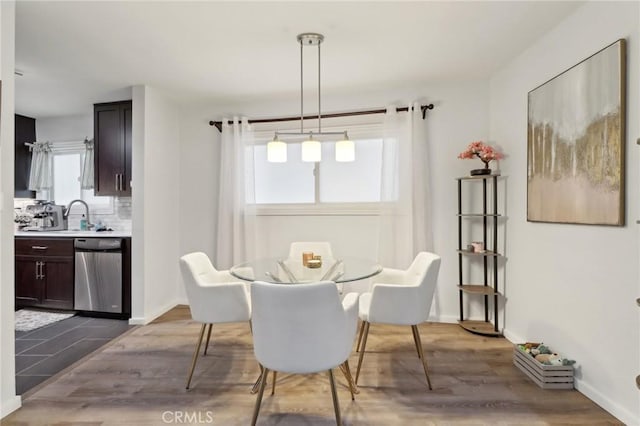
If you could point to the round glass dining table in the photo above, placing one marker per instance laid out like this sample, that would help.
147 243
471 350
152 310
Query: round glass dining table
287 271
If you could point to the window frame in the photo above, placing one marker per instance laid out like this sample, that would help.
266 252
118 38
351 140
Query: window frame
69 148
361 131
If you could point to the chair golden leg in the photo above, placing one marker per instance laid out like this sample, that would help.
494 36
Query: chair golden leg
344 367
256 409
273 385
206 345
195 355
424 360
360 336
334 395
256 385
415 340
364 345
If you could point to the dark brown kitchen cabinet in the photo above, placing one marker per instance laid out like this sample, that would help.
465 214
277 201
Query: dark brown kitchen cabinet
112 148
25 132
44 272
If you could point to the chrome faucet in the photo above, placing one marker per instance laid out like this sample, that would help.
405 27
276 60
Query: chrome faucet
86 206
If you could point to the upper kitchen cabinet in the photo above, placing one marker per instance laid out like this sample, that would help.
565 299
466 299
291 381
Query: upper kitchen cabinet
112 140
25 132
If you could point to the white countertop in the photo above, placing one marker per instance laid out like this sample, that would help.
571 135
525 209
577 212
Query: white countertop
72 234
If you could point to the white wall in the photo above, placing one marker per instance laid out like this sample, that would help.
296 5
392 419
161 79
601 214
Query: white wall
574 286
199 151
138 228
155 204
64 129
8 399
459 117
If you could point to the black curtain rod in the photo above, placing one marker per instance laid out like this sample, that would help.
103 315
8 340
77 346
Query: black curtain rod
423 108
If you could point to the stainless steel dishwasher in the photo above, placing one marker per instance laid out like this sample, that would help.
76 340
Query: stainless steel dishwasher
98 274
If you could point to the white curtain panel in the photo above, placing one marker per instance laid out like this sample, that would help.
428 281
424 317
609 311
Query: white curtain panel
236 200
40 175
86 179
405 226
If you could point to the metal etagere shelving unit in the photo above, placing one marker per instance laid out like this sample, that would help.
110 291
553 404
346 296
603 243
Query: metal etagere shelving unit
489 287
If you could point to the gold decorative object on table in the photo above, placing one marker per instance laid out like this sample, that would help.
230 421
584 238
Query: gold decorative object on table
314 263
306 256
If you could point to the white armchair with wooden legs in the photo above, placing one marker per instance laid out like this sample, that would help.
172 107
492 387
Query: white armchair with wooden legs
400 297
303 328
214 297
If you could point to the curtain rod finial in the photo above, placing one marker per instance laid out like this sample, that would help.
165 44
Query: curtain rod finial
424 109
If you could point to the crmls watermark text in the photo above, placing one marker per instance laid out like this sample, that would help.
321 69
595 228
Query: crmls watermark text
187 417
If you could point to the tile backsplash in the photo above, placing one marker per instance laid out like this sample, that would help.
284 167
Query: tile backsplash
119 220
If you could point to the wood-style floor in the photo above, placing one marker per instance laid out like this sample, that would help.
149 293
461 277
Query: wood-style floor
139 379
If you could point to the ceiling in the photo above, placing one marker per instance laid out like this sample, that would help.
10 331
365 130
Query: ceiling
73 54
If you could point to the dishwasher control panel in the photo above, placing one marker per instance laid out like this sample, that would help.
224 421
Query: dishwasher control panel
97 244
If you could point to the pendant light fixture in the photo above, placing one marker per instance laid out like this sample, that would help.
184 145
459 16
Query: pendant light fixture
276 151
345 150
311 147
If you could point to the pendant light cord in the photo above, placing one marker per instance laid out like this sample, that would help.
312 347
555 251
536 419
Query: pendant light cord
319 93
301 90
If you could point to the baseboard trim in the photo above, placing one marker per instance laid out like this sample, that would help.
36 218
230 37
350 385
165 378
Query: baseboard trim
10 406
590 392
621 413
447 319
158 312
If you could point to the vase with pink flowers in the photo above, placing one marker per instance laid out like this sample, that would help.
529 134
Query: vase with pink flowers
484 152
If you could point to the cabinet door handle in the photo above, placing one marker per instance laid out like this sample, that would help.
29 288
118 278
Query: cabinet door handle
121 180
117 181
41 270
39 274
39 247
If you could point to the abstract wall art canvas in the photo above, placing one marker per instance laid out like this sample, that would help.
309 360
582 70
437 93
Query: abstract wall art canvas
576 143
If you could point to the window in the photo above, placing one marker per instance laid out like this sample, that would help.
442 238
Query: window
67 168
292 182
354 182
328 183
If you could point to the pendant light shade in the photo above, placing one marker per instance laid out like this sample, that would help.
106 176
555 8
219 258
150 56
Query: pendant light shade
276 151
311 150
345 150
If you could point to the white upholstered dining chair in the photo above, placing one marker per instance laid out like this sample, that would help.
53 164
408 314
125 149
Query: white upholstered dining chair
400 297
302 329
214 297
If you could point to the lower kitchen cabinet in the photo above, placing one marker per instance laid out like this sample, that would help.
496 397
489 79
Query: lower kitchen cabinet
44 272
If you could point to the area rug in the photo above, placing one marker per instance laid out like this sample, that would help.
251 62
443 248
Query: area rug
27 320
